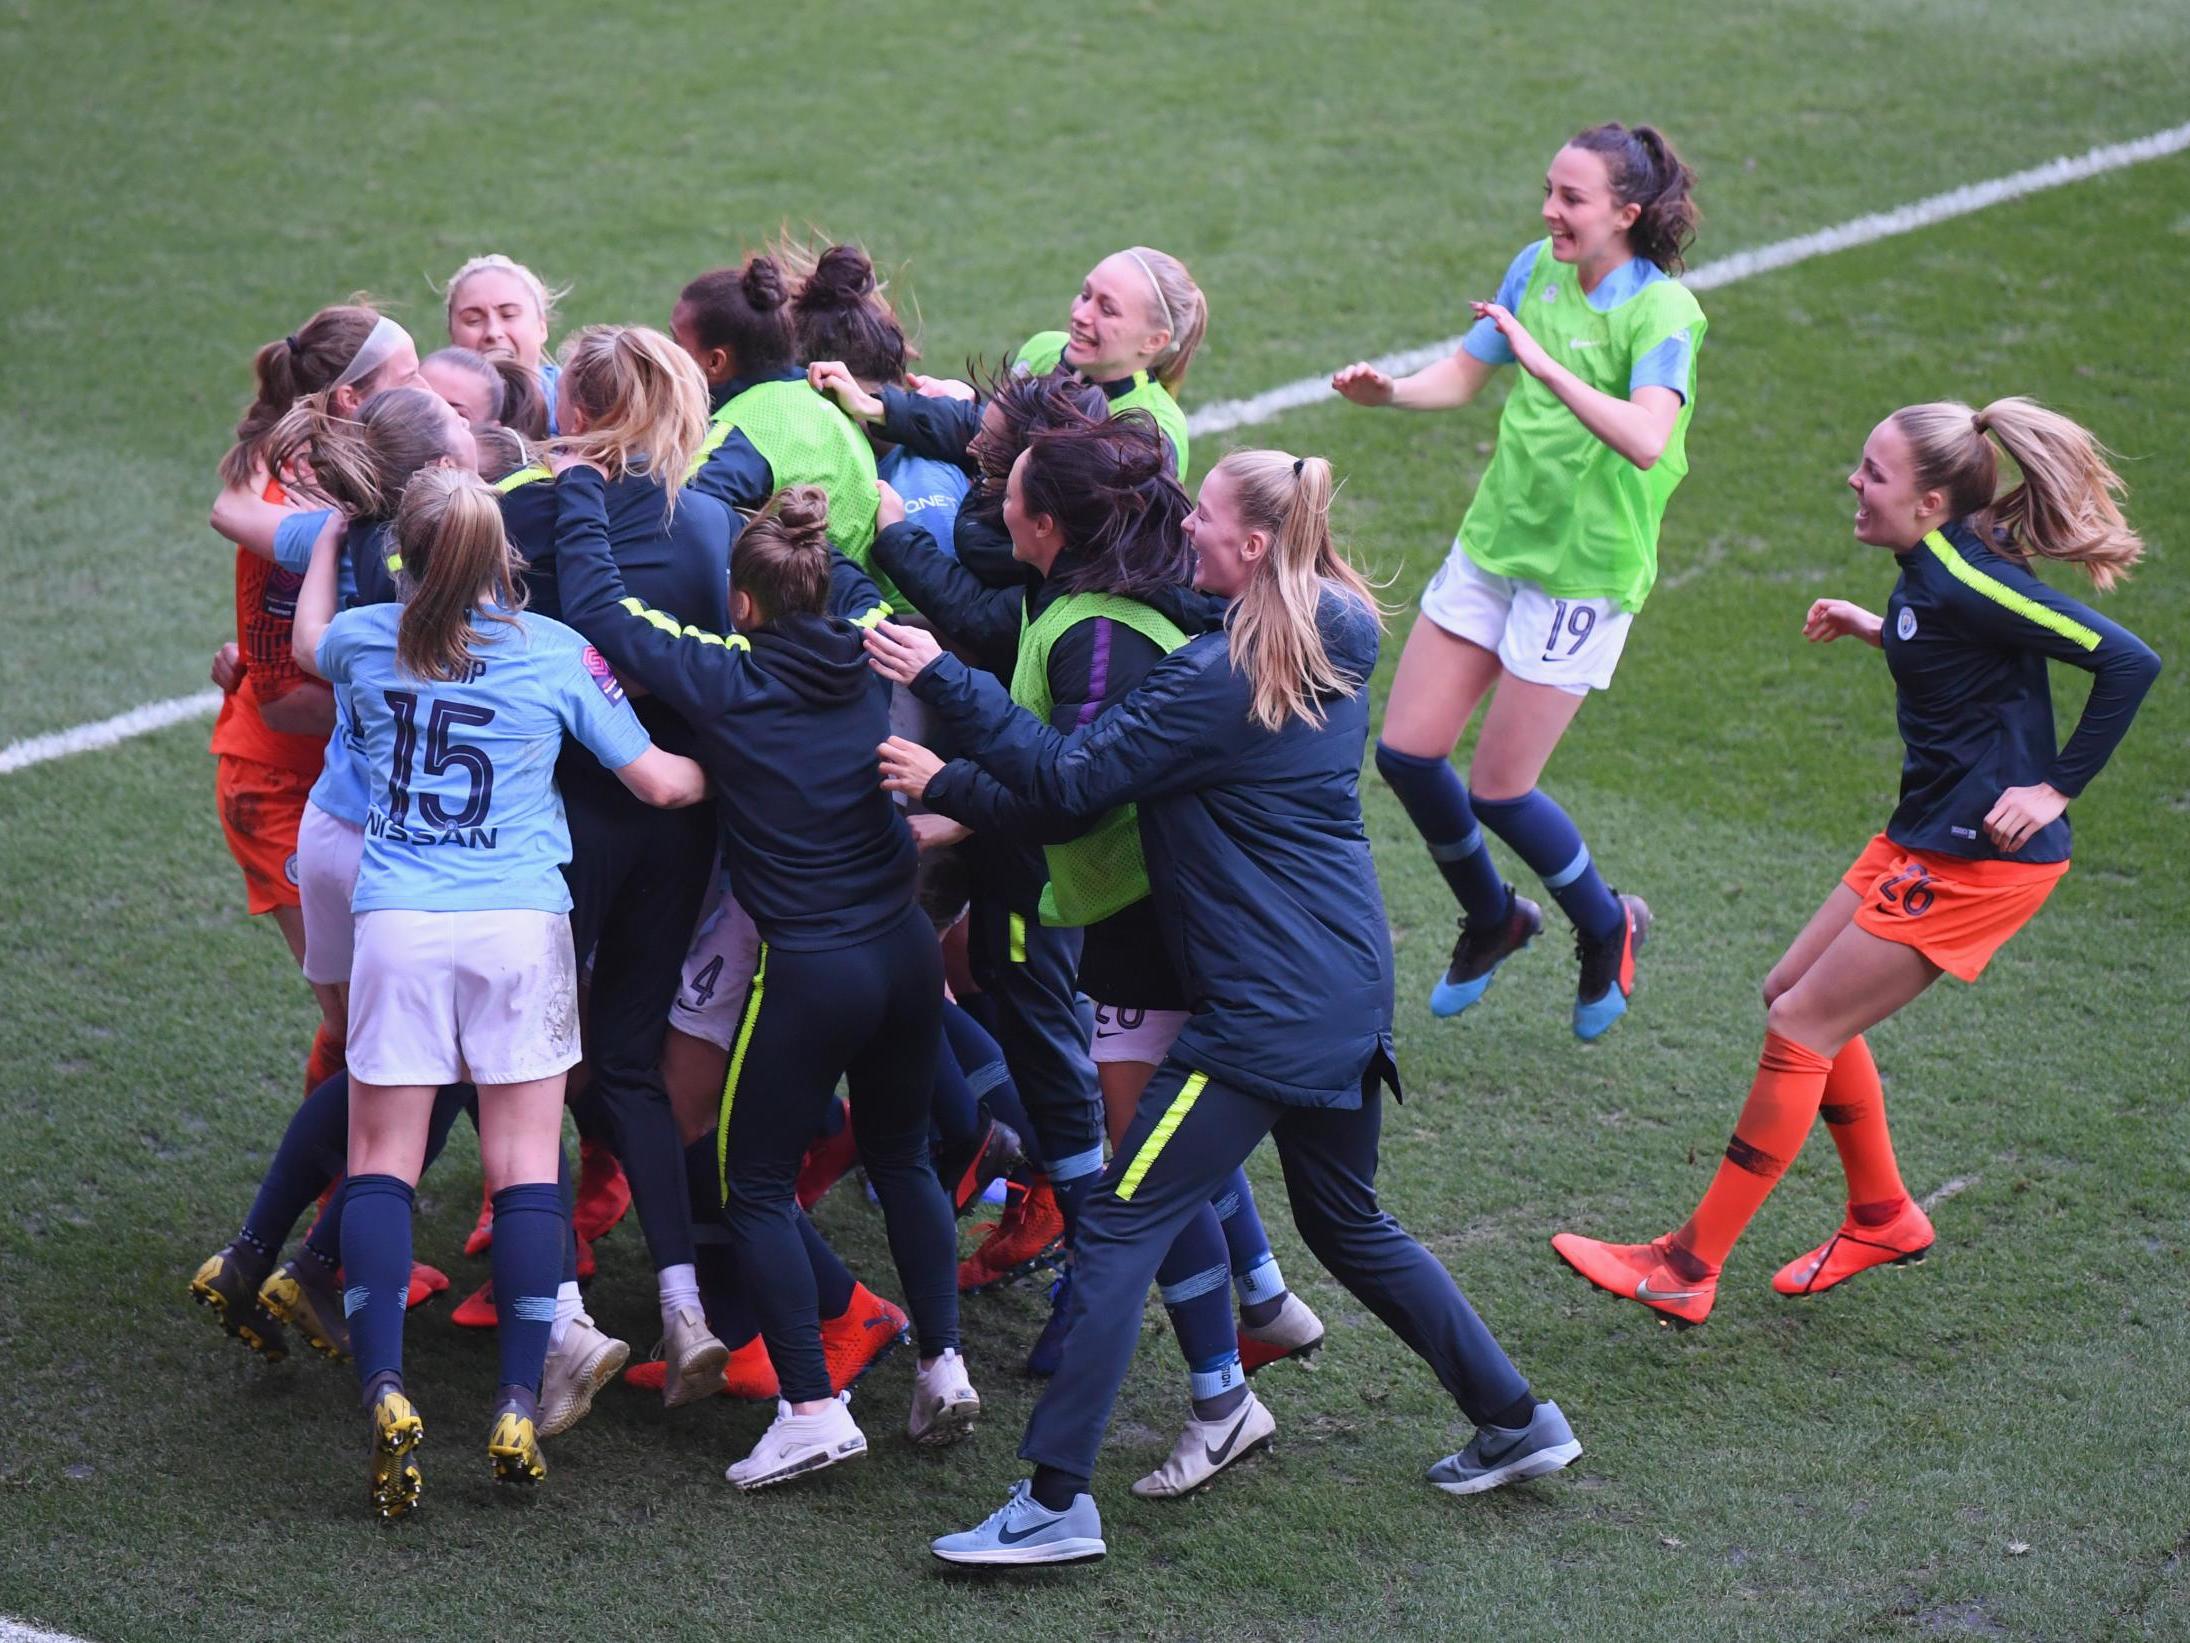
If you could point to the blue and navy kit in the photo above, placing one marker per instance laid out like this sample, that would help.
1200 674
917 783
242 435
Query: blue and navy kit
1968 633
465 814
786 721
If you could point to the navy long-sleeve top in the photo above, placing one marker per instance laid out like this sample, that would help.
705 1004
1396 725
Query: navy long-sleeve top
1968 633
786 719
677 562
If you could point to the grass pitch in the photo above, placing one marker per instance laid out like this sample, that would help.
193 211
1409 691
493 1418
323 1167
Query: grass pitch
1988 1445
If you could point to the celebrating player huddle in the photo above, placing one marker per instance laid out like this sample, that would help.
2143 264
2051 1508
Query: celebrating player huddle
701 719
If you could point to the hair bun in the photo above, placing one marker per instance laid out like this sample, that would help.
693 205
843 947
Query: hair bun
803 512
763 284
843 277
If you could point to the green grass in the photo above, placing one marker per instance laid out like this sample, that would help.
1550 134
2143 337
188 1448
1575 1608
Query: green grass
182 183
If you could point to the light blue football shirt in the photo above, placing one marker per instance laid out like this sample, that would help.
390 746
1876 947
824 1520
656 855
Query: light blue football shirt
464 815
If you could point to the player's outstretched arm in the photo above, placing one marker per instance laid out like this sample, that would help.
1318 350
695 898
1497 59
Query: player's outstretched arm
1444 386
1831 619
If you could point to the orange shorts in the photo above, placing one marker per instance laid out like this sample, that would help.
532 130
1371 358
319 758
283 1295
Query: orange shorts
1957 913
260 807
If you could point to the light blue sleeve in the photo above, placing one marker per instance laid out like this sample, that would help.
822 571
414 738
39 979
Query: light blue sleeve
1483 340
591 702
294 536
338 648
1665 366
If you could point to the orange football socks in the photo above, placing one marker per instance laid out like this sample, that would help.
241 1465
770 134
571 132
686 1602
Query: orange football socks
1782 1104
1854 1110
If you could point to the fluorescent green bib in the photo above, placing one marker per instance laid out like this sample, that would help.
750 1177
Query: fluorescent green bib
1102 871
1559 507
807 441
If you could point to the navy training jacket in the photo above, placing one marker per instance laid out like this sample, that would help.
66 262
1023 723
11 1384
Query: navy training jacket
1258 859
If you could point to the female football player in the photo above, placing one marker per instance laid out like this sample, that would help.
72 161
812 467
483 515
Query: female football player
1556 554
1977 842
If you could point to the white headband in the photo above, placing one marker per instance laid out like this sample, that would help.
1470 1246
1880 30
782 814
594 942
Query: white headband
1155 287
372 353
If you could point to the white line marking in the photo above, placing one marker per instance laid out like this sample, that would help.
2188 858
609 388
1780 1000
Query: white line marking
136 722
1226 415
16 1631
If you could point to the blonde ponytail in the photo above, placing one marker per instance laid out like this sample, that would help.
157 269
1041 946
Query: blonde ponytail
2067 504
643 400
455 558
1275 638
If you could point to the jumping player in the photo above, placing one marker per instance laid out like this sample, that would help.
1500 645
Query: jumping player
1556 554
1977 842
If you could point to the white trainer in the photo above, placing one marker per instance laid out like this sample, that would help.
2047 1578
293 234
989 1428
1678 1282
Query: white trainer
1294 1333
692 1360
580 1366
1206 1448
944 1402
794 1445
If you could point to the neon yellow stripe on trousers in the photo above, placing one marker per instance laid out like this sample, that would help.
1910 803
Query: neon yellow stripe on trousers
737 1066
1166 1126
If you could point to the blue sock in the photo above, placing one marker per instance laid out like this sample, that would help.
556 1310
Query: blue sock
310 1155
531 1228
1195 1281
1436 801
324 1242
376 1272
1545 837
1254 1269
981 1059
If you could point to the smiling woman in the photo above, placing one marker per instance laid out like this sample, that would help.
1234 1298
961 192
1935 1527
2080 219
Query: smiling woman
1134 330
1556 554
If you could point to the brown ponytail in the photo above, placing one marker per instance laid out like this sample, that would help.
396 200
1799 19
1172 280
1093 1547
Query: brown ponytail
842 310
1645 172
288 368
781 559
2067 504
1275 637
456 558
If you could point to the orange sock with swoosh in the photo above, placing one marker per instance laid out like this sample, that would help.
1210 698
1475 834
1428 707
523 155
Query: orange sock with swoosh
1782 1105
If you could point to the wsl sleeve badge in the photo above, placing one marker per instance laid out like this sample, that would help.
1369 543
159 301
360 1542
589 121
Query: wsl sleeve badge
603 675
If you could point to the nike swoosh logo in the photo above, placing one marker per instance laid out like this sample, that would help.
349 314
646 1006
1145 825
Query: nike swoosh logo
1217 1456
1643 1292
1009 1539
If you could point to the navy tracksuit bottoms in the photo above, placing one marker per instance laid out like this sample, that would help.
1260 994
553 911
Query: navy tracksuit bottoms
871 1013
1188 1134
